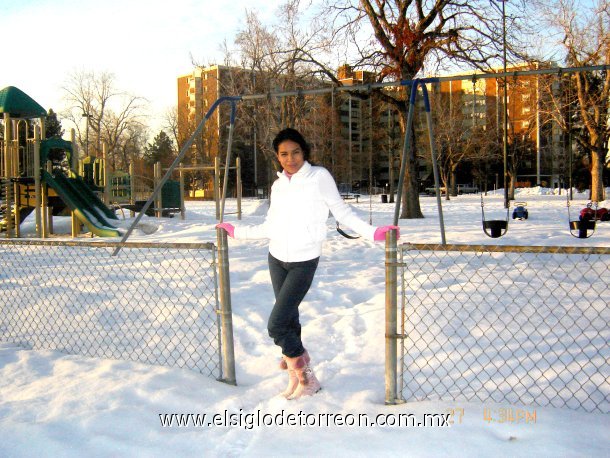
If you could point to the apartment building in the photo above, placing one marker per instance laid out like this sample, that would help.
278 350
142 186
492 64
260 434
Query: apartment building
366 136
197 92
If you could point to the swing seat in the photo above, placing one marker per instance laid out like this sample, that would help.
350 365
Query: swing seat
497 228
582 226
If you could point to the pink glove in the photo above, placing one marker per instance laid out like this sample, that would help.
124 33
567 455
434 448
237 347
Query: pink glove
380 233
227 227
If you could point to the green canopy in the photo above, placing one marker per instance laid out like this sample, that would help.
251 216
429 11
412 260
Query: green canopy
19 105
53 144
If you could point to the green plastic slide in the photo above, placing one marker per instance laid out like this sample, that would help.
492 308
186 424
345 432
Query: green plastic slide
87 207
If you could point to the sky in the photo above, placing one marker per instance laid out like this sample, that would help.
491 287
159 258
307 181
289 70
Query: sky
146 44
60 405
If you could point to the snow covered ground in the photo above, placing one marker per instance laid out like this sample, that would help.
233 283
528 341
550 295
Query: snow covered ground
52 404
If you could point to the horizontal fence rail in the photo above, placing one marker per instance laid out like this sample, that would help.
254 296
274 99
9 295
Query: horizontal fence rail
155 303
516 324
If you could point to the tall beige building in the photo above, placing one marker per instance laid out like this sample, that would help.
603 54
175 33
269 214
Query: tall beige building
364 143
197 92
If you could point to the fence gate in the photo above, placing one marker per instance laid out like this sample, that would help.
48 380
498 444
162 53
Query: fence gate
153 303
527 325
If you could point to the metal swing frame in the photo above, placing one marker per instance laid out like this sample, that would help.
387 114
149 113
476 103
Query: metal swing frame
407 144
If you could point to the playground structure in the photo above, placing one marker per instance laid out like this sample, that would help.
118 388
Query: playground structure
127 190
520 211
44 176
38 175
216 168
26 187
493 228
587 220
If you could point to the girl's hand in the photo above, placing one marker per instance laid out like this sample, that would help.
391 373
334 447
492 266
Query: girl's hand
227 227
380 232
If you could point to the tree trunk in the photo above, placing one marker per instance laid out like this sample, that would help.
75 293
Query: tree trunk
597 173
595 120
453 181
511 181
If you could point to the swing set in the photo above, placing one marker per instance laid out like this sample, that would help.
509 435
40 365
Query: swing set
580 227
492 228
233 100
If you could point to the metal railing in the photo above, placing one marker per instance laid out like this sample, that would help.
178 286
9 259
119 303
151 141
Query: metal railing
156 303
515 324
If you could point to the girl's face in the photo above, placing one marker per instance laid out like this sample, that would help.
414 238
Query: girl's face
291 156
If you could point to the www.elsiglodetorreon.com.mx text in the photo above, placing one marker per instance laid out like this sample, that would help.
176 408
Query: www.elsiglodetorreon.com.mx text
258 419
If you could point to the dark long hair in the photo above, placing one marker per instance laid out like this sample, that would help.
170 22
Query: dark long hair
294 135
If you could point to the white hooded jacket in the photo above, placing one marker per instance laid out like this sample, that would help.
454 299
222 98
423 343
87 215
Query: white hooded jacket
296 221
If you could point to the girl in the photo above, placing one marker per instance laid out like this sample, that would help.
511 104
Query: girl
295 225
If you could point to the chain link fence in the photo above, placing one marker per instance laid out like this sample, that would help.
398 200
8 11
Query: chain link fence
153 303
527 325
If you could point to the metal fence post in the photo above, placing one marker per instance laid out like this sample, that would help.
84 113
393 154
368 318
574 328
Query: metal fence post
182 205
391 308
238 191
226 315
217 186
37 184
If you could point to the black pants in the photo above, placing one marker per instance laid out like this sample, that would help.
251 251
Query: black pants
291 281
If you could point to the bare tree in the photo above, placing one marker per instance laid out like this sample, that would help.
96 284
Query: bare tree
457 135
130 147
258 50
582 29
267 59
399 39
100 112
118 126
170 124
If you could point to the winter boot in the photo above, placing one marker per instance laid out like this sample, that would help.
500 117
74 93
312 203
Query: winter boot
308 383
293 380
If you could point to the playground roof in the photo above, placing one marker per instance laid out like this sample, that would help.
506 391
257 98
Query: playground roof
18 104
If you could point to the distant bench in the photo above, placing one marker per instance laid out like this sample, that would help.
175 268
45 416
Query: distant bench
461 189
350 195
